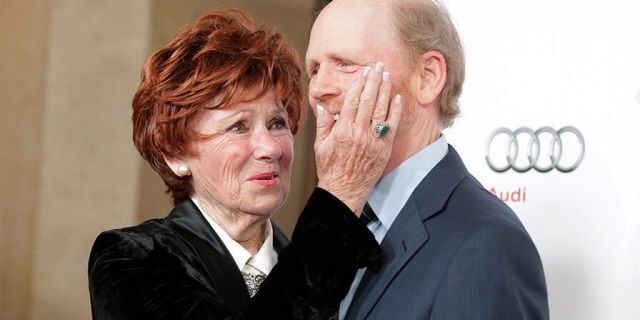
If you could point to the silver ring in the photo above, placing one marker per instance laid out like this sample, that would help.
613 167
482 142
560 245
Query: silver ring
582 147
513 140
555 153
381 128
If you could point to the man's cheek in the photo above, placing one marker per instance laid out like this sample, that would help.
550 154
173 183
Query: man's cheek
345 82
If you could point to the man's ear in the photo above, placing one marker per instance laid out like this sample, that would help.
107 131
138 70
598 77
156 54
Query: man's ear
432 74
179 166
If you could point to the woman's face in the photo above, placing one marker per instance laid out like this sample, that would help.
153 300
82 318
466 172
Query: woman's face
245 167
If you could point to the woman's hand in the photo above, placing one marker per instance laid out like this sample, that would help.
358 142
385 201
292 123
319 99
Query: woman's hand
350 153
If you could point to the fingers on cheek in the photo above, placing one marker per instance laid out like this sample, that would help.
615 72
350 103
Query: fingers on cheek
383 98
354 101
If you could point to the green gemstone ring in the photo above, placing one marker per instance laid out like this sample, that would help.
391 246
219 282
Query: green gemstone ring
381 128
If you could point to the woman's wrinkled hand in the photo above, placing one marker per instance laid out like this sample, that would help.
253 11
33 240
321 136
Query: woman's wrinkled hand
350 153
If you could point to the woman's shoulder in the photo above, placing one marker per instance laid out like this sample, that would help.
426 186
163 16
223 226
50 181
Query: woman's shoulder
139 239
144 271
148 227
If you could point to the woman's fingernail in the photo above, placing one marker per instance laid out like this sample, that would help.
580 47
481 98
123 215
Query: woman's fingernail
320 110
398 99
379 66
366 71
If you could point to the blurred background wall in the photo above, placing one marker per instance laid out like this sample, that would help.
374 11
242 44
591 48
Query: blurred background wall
68 167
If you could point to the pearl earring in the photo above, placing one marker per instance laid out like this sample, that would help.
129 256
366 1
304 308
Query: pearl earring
183 170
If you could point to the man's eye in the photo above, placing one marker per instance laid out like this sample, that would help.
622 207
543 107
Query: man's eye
345 66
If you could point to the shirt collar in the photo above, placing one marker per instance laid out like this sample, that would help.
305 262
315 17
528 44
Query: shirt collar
264 260
391 193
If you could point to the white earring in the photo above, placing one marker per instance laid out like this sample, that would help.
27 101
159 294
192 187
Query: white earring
183 170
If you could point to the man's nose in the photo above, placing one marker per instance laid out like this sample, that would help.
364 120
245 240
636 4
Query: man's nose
324 85
265 146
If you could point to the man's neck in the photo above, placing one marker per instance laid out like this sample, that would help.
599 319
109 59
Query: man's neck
411 140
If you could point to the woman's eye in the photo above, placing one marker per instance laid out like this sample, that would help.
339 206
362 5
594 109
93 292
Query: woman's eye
237 127
278 124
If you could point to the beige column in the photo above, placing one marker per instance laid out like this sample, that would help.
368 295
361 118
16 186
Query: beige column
89 168
23 52
68 167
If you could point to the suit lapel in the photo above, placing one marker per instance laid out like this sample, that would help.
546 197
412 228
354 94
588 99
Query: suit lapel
405 237
227 280
408 232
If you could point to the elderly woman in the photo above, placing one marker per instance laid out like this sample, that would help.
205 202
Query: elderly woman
215 116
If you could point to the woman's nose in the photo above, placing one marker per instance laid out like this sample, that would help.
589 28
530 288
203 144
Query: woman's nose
265 146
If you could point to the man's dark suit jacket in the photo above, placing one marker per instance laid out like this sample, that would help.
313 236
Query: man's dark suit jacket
455 251
178 268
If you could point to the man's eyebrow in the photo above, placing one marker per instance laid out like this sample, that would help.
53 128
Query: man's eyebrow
331 55
336 57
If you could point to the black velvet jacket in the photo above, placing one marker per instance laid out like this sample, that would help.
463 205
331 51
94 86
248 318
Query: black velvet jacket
178 268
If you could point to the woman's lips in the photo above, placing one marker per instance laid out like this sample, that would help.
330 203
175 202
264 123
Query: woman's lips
265 179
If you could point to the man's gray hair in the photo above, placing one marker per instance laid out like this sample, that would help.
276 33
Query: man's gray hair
425 25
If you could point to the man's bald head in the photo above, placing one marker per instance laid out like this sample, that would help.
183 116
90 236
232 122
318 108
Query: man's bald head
422 26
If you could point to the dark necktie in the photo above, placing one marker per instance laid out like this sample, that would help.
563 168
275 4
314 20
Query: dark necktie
368 215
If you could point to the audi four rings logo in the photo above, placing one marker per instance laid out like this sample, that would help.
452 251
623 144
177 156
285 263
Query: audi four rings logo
533 153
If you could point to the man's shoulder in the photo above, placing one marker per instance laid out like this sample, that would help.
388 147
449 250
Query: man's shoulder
477 206
473 215
472 190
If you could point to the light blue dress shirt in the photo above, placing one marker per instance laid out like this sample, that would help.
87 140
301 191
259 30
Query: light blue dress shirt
400 184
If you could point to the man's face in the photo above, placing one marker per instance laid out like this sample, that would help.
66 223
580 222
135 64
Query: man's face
348 36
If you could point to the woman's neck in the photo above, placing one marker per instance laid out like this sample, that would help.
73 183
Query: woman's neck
246 229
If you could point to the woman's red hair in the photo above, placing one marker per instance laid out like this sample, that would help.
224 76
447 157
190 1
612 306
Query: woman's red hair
223 55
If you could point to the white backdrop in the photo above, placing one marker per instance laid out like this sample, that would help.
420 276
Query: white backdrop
562 63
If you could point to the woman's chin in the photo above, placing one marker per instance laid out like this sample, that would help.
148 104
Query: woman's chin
266 205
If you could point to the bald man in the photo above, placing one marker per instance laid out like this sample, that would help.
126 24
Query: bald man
451 249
